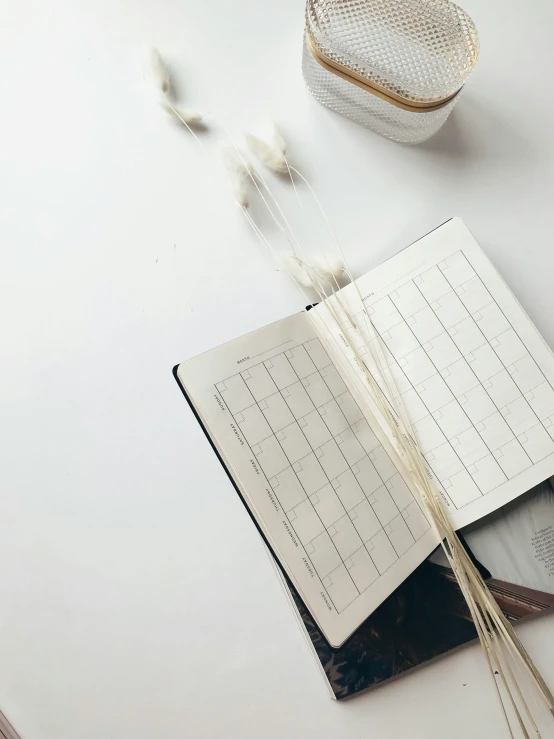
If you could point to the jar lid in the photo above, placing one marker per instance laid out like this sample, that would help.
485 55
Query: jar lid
416 52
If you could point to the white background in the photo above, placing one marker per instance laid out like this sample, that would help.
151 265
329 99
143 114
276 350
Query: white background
136 599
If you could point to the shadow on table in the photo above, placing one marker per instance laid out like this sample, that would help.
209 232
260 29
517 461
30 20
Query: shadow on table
474 132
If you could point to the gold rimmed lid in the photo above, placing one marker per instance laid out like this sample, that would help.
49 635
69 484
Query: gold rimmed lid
372 87
415 54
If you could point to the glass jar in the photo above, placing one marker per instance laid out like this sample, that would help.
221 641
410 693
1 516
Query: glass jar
395 66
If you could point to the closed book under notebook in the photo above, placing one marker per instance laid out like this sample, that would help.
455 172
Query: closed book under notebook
427 616
290 416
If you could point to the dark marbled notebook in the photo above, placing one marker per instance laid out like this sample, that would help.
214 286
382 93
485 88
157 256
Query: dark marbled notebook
427 615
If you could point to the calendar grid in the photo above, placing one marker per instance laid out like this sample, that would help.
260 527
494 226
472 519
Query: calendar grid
480 406
339 491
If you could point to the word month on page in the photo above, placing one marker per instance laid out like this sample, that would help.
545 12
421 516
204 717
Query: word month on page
347 504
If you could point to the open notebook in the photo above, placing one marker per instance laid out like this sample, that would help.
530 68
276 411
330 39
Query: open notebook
288 412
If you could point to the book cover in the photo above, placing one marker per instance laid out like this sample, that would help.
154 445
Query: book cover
427 616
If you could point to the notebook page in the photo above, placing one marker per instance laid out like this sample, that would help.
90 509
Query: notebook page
473 373
323 489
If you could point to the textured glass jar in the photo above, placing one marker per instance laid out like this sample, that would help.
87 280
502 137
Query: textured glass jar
395 66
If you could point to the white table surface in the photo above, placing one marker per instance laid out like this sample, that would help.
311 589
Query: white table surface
136 599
